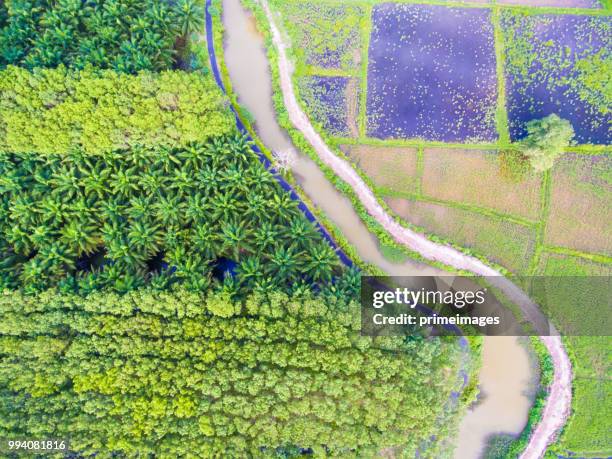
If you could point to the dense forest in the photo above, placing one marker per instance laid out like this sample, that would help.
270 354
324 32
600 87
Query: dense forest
59 111
178 373
115 214
160 293
124 35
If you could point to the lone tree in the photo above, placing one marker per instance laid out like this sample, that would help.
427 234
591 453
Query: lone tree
546 138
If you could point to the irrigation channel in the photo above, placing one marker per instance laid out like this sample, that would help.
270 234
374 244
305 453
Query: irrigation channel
507 375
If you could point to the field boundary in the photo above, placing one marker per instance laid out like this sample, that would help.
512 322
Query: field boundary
596 257
366 32
584 149
501 112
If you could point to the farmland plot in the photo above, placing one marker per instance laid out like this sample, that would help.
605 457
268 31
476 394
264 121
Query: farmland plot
431 74
393 168
580 206
331 102
559 64
586 434
505 243
474 177
325 36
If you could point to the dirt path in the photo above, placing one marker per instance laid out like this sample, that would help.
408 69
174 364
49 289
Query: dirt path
559 400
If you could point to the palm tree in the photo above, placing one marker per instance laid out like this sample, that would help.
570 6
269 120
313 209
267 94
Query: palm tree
80 235
145 238
265 236
235 237
190 16
250 270
320 262
206 241
284 262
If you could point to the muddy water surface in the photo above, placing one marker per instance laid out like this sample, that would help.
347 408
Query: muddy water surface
506 371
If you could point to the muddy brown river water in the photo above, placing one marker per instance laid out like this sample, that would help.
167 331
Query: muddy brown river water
507 374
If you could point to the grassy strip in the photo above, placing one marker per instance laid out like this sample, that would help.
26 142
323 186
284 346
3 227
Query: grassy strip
386 192
586 149
596 257
545 191
501 115
420 167
366 32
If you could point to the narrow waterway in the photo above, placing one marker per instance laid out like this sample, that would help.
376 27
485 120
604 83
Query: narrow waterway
506 370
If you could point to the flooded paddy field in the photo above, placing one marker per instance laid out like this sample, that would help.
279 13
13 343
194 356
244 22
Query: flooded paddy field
431 73
559 64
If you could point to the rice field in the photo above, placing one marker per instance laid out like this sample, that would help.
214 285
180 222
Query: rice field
476 177
559 64
505 243
323 35
392 168
581 204
332 103
431 74
587 434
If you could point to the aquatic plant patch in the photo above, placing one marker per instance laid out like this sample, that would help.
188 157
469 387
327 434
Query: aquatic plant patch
559 64
323 35
431 73
580 207
394 168
332 102
476 177
508 244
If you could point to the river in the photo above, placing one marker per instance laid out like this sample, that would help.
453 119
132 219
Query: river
507 372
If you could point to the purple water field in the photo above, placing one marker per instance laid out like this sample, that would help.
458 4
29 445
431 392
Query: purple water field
564 68
327 102
431 74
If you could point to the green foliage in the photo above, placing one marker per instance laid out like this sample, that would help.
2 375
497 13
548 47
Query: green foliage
58 111
124 212
513 165
114 372
593 80
324 35
545 141
124 35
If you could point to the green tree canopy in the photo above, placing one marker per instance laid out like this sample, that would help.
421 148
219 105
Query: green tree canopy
546 138
56 111
124 35
164 374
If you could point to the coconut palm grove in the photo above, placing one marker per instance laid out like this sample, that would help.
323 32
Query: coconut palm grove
172 286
